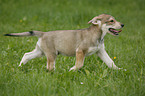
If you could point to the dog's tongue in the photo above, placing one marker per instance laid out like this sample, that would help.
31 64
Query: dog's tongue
115 30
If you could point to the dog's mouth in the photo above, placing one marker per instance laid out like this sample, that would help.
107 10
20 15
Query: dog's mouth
114 31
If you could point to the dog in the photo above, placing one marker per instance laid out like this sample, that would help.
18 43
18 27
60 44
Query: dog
79 43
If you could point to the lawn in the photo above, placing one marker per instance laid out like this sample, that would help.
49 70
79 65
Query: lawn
95 78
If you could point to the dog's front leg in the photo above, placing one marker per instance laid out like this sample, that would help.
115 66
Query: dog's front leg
79 60
105 57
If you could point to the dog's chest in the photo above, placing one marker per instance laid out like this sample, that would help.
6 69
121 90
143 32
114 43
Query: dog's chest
92 50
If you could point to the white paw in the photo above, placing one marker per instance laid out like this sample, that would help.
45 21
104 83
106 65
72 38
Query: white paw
20 65
73 68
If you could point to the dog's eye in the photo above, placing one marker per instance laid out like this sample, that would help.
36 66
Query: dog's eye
112 21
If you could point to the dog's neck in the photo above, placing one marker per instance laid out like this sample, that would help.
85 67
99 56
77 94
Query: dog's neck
98 31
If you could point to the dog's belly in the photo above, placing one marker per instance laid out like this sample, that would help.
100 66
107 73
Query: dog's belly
66 51
92 50
67 54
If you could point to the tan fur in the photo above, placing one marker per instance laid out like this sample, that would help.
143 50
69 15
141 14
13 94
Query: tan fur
81 43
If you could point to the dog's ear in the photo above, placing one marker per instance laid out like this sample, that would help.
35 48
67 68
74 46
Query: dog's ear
94 20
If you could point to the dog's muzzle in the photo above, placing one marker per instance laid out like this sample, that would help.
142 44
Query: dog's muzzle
114 32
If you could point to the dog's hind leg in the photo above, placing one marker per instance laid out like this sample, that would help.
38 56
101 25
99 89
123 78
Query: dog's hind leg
30 55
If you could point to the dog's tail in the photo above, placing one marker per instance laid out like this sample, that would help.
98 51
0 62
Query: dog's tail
30 33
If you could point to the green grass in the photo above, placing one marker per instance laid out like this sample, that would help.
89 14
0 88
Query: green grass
95 78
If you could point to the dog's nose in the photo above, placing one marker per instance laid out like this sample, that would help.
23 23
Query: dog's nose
122 25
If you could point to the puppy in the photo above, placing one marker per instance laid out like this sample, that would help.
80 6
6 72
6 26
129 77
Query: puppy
79 43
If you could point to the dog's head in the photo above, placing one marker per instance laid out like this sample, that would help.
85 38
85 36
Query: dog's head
107 23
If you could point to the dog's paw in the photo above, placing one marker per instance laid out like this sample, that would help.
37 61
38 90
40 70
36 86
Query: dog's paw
73 68
20 66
